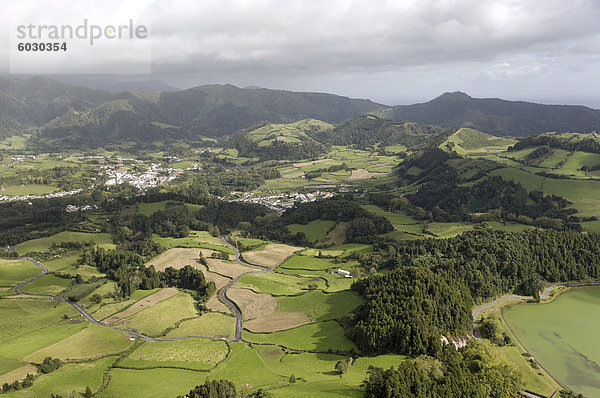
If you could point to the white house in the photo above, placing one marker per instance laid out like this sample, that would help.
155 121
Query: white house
345 273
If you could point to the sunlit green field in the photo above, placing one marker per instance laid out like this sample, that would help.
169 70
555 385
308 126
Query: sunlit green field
196 354
320 306
14 271
585 194
71 377
563 337
29 189
41 244
278 284
314 230
320 336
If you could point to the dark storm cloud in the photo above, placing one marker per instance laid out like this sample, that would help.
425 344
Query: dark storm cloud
317 36
391 51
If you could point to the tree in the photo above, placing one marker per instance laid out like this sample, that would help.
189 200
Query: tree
292 379
50 365
342 366
214 389
88 392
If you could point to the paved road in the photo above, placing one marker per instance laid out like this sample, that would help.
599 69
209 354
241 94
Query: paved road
223 294
544 295
84 313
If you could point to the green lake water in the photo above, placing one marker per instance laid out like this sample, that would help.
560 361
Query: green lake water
564 337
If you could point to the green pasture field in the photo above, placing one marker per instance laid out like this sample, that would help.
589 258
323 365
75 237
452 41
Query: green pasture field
507 226
326 381
531 379
29 189
20 317
520 154
562 337
553 161
195 354
110 308
467 141
15 271
319 336
148 209
200 239
320 306
80 290
60 263
335 282
591 226
278 284
9 364
91 342
156 383
32 341
314 230
14 142
48 284
71 377
86 271
585 194
211 324
299 262
324 252
245 366
579 159
155 320
401 222
41 244
447 229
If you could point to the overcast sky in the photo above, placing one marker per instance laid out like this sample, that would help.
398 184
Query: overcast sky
394 52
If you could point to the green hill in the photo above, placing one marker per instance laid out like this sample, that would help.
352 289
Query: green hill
466 141
280 141
292 133
369 130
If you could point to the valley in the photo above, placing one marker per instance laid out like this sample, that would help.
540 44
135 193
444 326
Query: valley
293 257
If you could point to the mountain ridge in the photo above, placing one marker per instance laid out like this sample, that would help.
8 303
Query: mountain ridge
499 117
62 115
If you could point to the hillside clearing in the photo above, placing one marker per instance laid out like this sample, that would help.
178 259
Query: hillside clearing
272 255
253 305
276 321
144 303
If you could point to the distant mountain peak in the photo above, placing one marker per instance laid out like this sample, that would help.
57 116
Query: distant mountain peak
455 95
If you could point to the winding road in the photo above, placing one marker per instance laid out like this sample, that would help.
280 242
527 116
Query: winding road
236 309
222 294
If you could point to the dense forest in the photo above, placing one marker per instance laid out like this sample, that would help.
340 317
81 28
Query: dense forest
21 221
470 372
434 282
407 309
